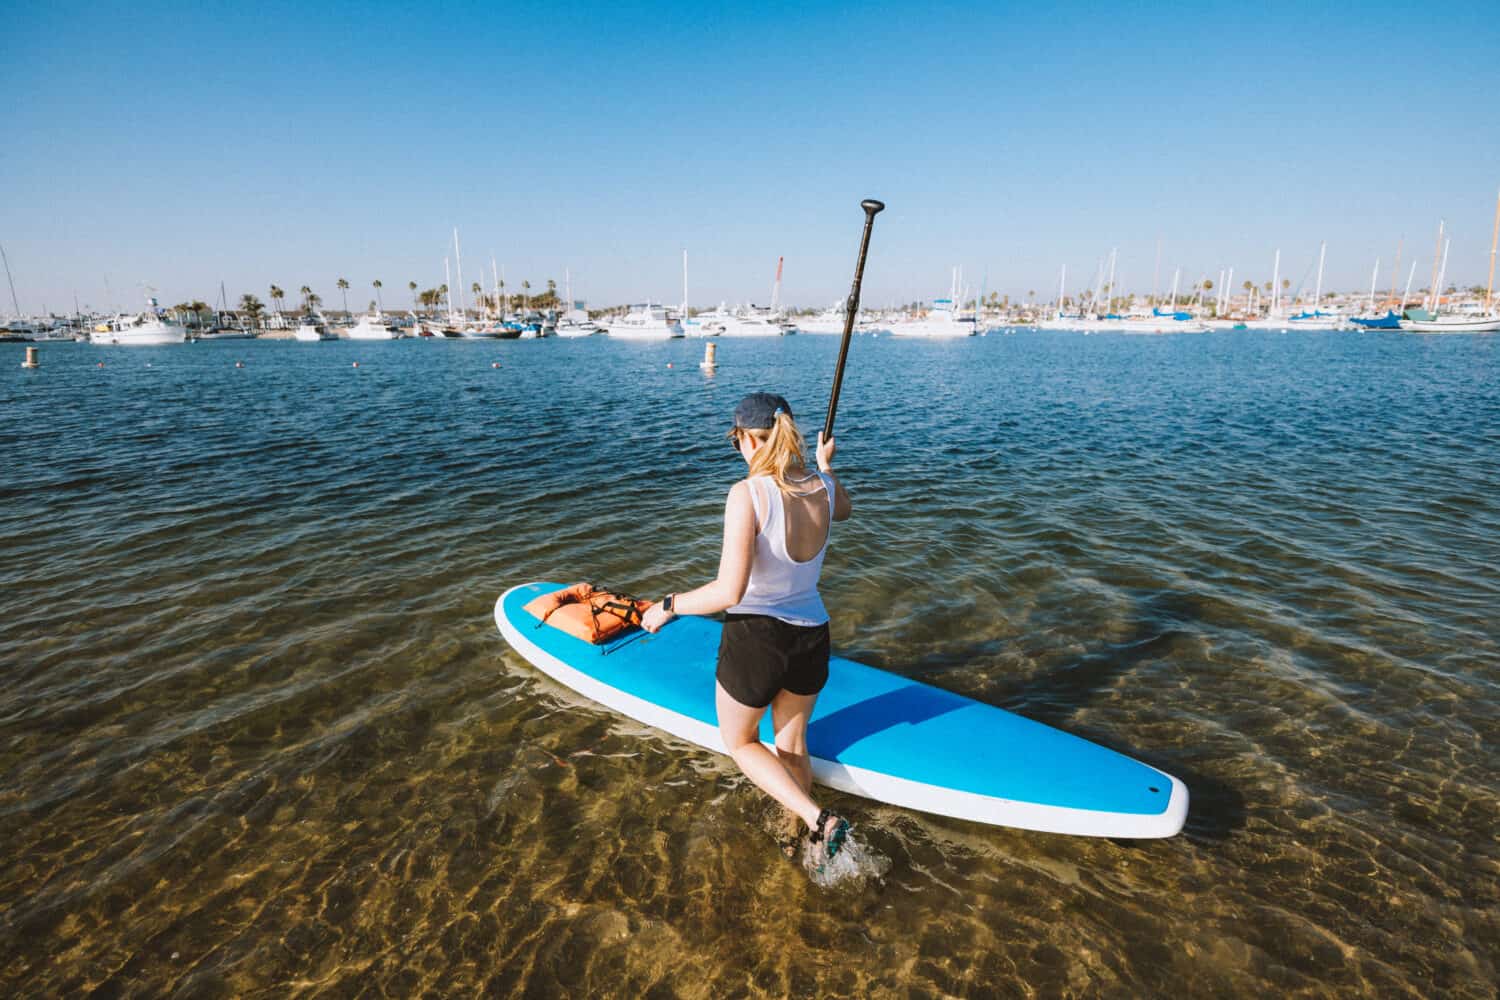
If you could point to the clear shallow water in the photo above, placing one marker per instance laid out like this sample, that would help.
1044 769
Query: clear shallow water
258 734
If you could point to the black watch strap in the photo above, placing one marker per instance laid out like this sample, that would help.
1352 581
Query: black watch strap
667 602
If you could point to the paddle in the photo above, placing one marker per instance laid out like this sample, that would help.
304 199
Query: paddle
851 309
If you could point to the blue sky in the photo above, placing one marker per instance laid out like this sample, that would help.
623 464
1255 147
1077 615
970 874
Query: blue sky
182 144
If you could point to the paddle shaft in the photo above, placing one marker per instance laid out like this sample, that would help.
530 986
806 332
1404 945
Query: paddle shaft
851 310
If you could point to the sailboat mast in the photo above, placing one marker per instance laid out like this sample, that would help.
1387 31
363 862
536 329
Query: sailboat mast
448 284
1374 273
1062 290
1109 290
1318 292
459 259
1229 293
1489 291
1275 287
568 289
776 288
494 277
16 305
1406 294
1437 252
684 284
1437 294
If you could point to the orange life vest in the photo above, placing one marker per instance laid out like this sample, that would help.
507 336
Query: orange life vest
587 612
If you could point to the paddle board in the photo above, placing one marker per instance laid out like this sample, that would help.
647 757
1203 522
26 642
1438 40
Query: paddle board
873 733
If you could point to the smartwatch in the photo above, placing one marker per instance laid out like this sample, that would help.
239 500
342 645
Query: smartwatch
667 602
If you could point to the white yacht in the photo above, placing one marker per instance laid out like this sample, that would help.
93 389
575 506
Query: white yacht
830 320
744 322
646 322
1155 321
572 326
313 328
145 329
941 321
372 326
702 325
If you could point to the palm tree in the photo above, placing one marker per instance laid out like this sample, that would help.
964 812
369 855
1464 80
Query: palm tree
478 291
378 303
276 296
526 295
413 286
313 300
304 291
344 288
252 307
502 299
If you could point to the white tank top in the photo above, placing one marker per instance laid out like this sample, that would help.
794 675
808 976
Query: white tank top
779 585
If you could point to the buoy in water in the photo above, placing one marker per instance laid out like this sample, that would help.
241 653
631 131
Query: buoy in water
356 364
31 360
101 364
710 357
239 364
494 364
669 364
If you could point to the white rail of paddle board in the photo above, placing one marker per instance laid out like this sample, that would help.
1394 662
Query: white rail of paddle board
881 787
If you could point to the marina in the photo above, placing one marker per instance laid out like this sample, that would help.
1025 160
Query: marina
212 706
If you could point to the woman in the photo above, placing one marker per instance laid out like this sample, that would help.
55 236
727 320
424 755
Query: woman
774 649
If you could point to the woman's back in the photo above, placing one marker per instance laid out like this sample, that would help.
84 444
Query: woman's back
791 539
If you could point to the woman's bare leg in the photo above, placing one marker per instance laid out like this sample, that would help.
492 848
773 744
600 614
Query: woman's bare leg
789 717
739 728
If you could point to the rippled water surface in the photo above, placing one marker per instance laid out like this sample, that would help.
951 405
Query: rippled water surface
259 736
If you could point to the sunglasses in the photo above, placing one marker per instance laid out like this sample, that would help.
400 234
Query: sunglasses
734 438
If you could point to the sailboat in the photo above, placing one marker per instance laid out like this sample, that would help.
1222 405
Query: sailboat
1471 320
1317 319
1369 321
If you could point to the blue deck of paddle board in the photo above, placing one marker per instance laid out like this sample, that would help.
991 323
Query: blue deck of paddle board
873 719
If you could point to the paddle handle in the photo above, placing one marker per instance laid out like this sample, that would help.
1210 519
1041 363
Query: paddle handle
851 310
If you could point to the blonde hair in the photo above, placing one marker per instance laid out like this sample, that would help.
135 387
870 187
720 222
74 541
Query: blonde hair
782 450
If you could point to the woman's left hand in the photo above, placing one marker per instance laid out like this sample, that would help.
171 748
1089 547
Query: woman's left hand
655 617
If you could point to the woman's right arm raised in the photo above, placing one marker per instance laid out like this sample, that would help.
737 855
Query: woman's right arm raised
842 505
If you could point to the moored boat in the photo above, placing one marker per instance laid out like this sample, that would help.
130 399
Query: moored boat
312 329
646 322
147 329
372 326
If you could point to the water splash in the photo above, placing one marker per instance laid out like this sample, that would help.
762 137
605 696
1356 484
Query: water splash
854 867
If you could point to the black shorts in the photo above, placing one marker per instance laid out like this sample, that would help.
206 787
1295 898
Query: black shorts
760 656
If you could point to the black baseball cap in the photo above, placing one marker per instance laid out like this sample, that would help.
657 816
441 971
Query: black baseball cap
758 410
